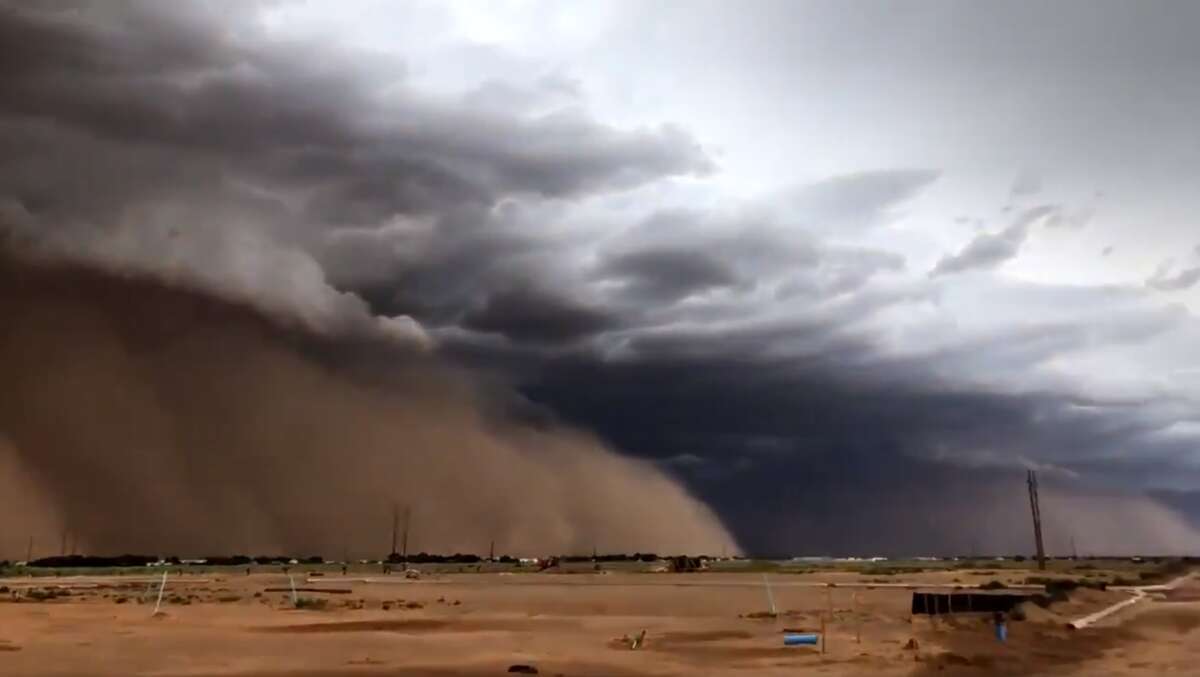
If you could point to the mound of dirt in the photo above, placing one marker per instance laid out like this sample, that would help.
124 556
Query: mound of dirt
412 625
1175 619
1037 614
709 636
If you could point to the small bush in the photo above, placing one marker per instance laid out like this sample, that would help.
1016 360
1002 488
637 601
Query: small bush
228 598
993 585
895 571
1053 595
311 603
759 615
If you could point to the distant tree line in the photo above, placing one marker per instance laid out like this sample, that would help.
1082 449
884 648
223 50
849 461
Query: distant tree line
619 557
94 561
130 560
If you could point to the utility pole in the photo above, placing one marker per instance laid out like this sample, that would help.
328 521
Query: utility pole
1037 519
1074 552
395 525
492 552
29 550
404 542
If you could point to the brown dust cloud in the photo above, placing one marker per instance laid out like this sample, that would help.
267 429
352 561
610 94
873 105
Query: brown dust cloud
138 415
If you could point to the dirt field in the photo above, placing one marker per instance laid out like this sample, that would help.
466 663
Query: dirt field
480 624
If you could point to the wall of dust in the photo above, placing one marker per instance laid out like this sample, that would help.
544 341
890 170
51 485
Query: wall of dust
147 417
29 522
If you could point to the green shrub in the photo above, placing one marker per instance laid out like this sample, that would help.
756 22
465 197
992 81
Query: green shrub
39 595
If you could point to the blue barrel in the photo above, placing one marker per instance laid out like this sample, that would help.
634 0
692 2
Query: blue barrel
796 640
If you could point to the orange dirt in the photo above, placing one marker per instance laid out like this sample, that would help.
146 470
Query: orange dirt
579 625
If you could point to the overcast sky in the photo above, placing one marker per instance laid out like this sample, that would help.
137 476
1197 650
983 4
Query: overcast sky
845 246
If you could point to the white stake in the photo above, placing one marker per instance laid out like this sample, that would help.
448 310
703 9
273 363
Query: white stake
162 586
770 597
293 582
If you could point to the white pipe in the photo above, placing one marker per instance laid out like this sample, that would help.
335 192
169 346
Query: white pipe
1139 593
161 587
1080 623
770 597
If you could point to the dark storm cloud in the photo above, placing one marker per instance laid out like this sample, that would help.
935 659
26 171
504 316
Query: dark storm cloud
1164 279
856 201
149 75
989 250
530 314
182 137
674 254
665 274
836 440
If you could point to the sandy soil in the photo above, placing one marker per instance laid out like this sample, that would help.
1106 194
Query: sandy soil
563 624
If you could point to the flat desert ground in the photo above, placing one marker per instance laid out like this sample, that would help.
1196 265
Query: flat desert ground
472 624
